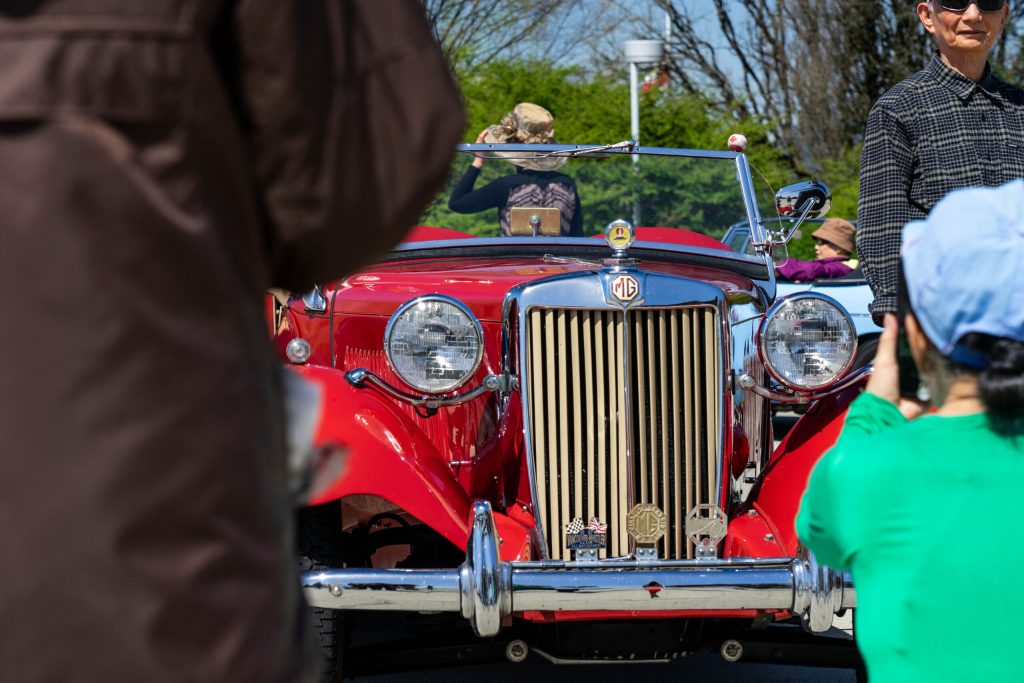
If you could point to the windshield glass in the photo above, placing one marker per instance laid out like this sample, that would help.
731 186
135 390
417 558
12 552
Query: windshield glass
698 194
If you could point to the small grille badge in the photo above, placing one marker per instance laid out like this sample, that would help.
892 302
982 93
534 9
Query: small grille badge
646 523
593 536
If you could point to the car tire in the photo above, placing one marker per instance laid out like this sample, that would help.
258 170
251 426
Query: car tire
866 350
319 545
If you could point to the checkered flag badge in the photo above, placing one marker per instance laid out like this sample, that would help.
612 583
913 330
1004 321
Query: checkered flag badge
575 526
597 525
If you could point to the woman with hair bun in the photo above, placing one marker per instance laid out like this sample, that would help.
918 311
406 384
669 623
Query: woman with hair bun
912 504
536 181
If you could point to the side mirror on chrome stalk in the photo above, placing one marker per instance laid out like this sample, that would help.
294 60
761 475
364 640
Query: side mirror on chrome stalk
314 301
803 200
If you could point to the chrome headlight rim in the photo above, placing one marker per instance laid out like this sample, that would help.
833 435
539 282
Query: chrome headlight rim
475 325
762 352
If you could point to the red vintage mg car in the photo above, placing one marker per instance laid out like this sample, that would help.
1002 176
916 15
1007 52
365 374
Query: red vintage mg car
563 444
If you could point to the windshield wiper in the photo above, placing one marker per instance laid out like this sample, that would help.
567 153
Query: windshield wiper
625 144
551 258
569 153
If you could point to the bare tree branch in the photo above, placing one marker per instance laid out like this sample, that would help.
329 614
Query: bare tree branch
473 32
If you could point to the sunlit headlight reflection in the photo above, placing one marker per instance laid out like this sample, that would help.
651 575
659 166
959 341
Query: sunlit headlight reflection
434 344
807 341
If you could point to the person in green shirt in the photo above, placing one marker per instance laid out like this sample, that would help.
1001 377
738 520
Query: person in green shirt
920 507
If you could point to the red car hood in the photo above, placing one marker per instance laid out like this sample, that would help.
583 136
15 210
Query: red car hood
482 284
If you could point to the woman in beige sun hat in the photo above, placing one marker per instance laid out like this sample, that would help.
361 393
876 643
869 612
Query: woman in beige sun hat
535 181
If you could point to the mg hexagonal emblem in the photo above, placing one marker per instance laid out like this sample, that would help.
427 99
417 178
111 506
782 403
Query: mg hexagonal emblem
625 288
646 523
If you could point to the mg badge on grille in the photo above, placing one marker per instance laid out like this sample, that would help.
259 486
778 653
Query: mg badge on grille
625 288
646 523
593 536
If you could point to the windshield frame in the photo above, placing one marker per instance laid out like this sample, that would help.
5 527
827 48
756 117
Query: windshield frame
743 173
627 148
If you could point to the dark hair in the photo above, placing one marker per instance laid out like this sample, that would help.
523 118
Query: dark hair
1000 383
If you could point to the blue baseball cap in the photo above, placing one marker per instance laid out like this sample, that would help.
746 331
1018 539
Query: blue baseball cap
963 265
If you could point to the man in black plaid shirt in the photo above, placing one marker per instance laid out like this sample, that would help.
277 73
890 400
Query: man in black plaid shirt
951 125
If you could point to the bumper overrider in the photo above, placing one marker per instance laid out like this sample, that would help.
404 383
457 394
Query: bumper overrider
486 590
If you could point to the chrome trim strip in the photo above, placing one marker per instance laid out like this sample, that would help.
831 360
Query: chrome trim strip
485 590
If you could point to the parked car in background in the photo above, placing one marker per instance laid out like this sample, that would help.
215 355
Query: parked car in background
547 435
852 290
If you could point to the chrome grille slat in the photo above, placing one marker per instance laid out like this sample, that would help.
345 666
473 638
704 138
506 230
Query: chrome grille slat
677 432
624 479
541 411
688 406
564 455
711 358
668 475
578 467
578 418
588 417
603 465
552 435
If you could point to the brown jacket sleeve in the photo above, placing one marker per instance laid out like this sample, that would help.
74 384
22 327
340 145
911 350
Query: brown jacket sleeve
352 121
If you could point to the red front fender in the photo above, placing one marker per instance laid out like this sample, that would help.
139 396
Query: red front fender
776 496
388 456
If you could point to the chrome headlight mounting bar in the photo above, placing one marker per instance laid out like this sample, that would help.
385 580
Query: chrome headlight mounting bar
748 383
503 383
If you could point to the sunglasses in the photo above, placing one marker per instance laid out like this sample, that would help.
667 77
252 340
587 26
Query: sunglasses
823 243
962 5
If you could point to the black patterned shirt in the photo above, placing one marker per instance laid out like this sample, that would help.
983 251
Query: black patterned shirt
934 132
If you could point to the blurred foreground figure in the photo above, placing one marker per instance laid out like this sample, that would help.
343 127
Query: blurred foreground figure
909 502
162 163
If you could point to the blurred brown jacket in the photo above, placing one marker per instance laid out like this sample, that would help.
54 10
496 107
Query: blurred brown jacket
162 163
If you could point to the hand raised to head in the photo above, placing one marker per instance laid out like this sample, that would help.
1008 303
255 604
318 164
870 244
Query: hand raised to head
885 378
478 161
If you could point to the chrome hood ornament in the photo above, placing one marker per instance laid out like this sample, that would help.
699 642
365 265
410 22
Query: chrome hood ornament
623 283
620 236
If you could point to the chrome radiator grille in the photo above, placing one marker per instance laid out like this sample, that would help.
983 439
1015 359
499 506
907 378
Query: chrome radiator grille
590 407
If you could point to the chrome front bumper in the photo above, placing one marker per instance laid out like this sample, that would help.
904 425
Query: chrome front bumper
485 590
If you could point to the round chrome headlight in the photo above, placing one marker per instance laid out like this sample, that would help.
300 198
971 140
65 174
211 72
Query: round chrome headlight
434 343
807 341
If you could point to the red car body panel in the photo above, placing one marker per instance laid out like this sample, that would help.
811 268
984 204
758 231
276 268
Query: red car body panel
776 496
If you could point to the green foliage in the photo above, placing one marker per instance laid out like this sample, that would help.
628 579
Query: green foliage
842 175
801 247
595 110
586 111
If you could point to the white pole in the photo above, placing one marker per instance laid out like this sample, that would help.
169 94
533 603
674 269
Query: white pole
638 52
634 120
634 106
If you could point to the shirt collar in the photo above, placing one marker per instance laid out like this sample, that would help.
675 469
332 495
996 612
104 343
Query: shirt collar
957 83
